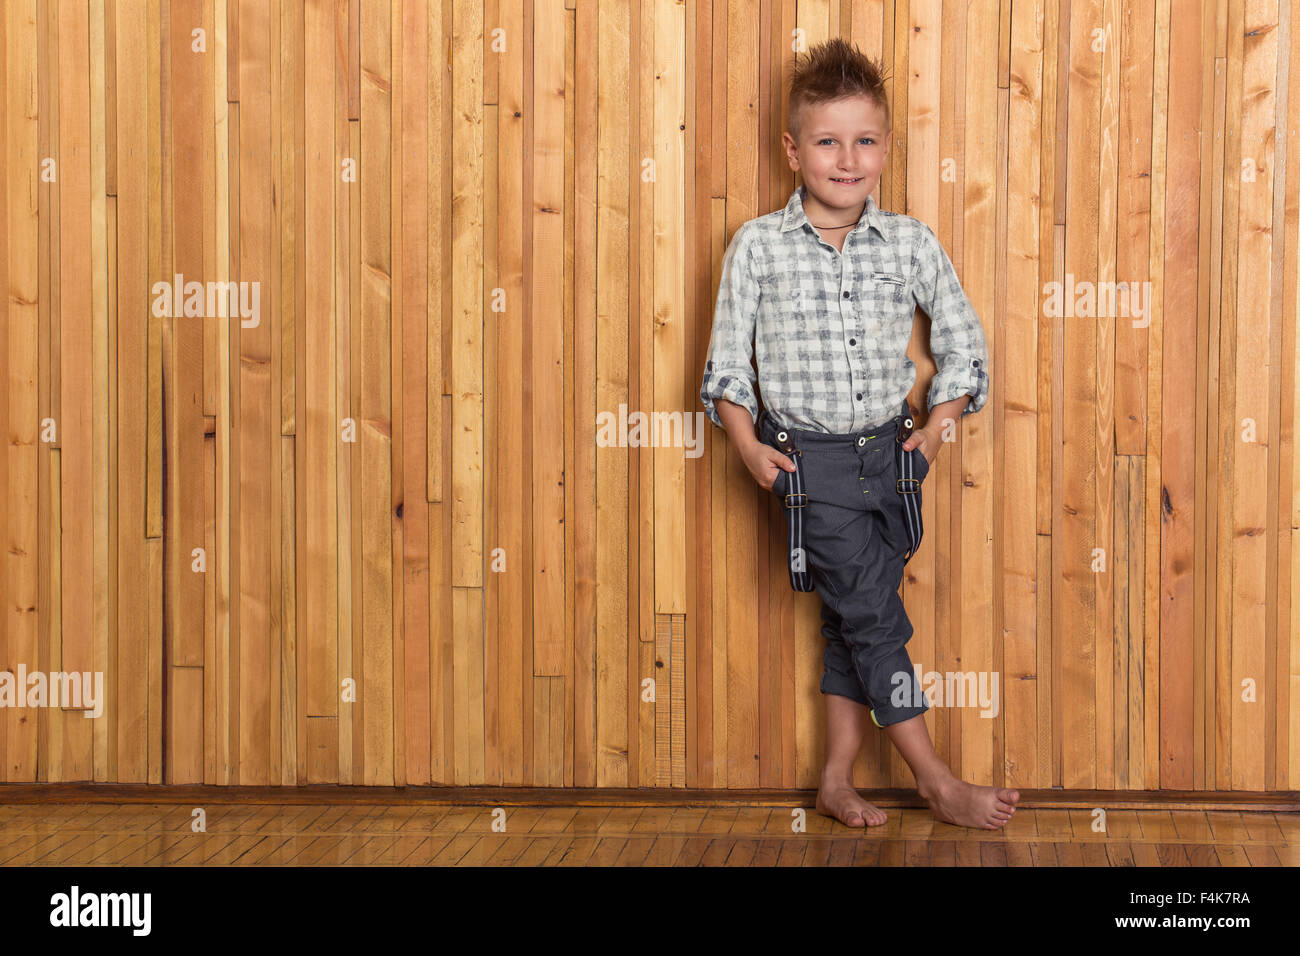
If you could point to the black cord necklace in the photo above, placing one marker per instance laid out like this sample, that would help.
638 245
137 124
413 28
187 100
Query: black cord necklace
845 226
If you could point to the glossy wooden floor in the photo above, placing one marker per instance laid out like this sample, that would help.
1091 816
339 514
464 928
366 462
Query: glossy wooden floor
97 834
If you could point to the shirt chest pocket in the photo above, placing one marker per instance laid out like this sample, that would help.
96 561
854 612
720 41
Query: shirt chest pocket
886 311
887 287
885 299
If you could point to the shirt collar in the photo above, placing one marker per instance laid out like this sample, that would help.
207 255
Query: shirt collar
795 216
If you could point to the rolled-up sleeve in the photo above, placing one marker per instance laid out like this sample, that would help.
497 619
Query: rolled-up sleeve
728 367
956 335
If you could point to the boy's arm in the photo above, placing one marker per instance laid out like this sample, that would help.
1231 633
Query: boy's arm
739 426
956 335
728 369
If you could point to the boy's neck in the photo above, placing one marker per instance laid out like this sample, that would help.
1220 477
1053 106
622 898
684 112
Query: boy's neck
823 216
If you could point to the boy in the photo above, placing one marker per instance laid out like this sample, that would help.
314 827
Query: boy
830 284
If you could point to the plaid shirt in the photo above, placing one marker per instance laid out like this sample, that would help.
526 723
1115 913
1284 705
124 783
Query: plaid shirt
832 329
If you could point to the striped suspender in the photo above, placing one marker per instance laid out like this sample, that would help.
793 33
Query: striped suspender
909 487
794 502
799 578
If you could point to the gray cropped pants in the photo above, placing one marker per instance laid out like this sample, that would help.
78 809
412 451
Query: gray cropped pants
855 546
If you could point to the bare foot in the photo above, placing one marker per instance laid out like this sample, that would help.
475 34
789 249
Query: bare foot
966 805
841 801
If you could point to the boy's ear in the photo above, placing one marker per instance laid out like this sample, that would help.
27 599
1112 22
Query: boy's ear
788 143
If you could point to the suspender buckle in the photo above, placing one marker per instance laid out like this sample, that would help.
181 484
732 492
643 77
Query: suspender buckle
801 504
916 482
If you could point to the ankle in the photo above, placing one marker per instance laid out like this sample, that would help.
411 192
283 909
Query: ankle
833 778
931 784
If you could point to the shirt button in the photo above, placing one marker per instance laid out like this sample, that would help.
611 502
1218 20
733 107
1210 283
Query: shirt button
975 363
847 294
859 396
853 341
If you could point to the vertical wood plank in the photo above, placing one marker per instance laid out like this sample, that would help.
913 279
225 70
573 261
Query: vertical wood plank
1252 424
21 321
375 423
1020 366
1177 496
466 378
740 628
396 381
217 766
1107 207
974 582
101 274
184 406
5 85
258 420
413 356
545 345
75 352
1077 524
127 750
49 507
505 584
442 700
1153 505
609 718
322 420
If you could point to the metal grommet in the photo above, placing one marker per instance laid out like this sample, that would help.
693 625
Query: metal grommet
907 422
780 436
861 441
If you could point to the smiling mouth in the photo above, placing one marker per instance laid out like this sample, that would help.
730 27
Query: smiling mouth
847 182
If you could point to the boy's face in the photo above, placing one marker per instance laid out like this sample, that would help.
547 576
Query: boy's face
841 140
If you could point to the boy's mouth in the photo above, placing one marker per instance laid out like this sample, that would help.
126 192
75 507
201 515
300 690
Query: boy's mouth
847 182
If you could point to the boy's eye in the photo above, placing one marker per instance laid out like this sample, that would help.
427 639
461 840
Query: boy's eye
827 139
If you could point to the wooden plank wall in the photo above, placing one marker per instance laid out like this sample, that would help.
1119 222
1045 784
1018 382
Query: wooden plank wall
370 537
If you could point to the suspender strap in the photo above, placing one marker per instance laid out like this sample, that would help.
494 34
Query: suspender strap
909 488
794 502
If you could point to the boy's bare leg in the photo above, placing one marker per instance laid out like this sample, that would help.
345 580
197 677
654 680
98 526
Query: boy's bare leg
846 722
952 800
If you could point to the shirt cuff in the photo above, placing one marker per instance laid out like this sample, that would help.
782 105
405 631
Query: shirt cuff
969 378
733 389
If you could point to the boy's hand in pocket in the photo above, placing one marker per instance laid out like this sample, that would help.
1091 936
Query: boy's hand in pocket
928 441
765 462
